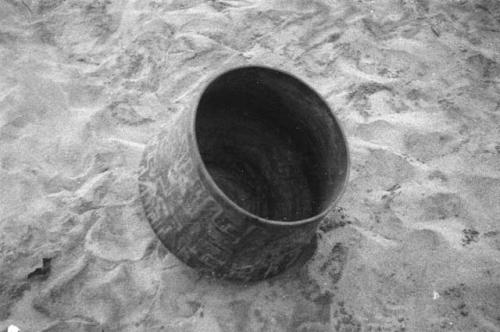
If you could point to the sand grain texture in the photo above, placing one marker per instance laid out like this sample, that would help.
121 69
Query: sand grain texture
414 244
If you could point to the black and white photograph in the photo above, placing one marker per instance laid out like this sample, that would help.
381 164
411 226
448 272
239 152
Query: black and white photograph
249 165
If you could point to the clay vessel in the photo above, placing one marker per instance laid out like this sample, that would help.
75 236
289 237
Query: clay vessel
237 183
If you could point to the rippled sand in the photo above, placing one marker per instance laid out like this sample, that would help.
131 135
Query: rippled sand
414 244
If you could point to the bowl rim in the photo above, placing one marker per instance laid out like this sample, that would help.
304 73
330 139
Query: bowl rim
213 185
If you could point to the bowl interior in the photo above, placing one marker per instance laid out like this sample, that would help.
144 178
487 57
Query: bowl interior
271 144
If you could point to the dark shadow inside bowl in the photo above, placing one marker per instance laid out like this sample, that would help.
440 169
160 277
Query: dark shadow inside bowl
271 144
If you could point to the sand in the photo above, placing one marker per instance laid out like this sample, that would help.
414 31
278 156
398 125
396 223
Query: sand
413 245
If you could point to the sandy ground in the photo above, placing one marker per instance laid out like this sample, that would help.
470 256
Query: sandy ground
414 244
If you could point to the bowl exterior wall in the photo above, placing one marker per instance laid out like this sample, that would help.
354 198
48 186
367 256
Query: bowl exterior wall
199 225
